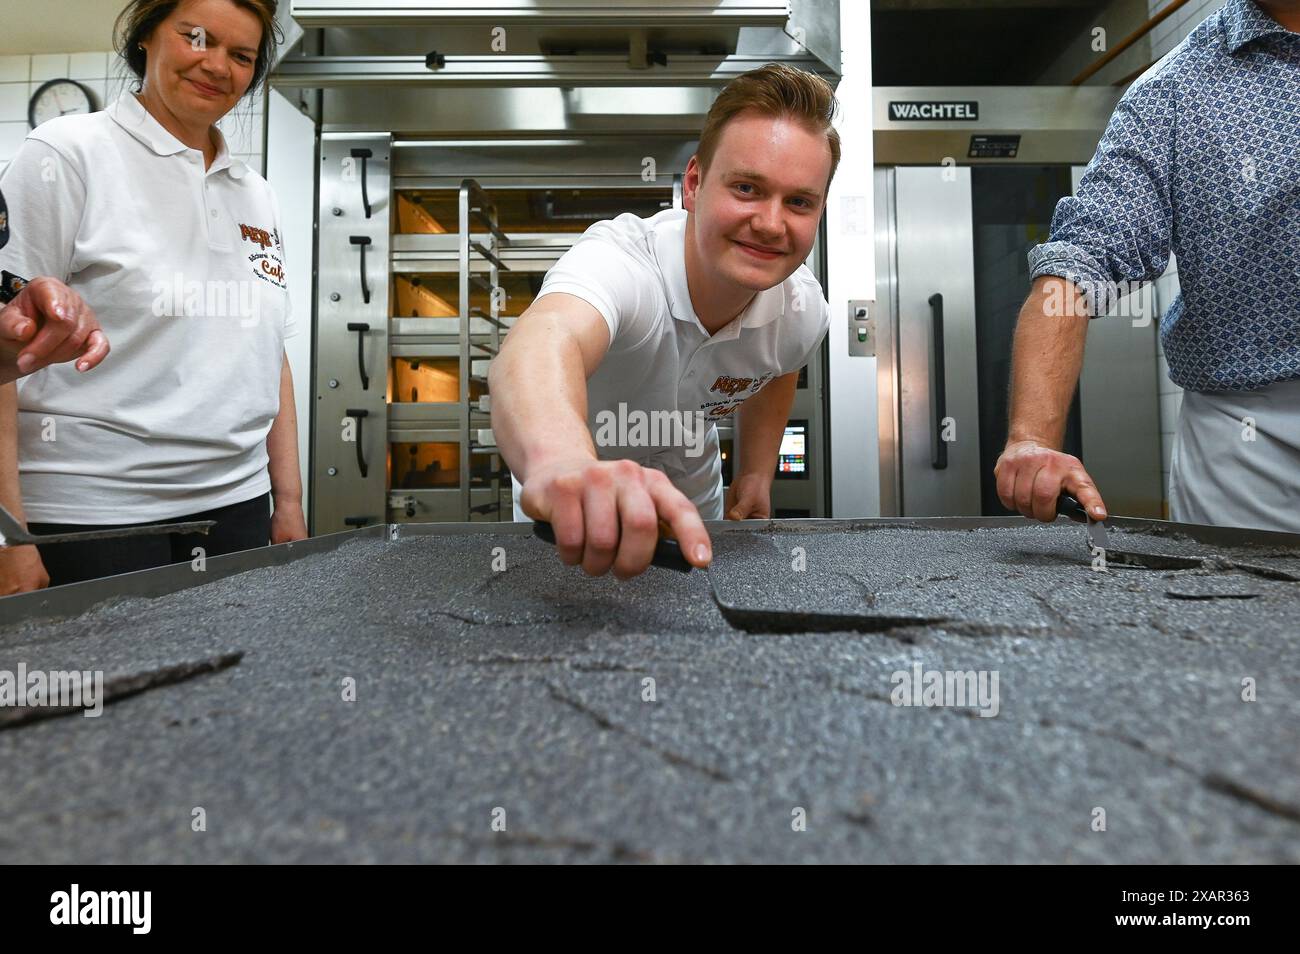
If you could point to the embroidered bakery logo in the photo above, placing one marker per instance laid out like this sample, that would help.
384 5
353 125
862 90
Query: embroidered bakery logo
735 391
267 266
728 385
251 233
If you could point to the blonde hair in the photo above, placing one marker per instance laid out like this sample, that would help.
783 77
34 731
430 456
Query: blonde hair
778 91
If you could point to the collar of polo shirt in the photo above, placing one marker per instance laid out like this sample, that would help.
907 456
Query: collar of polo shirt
1245 21
670 249
129 113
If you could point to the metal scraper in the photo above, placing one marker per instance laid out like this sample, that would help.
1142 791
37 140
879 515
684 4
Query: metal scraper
668 554
1067 506
14 534
1099 539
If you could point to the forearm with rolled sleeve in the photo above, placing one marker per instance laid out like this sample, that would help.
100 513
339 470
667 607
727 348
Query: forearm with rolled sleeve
1118 226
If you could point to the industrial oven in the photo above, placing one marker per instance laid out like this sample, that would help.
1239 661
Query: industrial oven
966 181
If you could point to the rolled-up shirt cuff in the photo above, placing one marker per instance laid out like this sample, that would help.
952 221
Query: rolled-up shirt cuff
1074 263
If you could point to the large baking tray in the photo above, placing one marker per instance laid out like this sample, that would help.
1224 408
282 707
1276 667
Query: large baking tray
78 597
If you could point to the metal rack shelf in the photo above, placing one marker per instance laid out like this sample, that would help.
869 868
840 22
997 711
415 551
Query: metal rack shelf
474 204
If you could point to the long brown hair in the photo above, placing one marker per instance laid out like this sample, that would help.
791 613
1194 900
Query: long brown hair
141 17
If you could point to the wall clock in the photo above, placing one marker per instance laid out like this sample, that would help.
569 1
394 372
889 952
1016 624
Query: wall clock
58 97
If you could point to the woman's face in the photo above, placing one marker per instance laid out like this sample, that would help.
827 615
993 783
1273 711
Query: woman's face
200 60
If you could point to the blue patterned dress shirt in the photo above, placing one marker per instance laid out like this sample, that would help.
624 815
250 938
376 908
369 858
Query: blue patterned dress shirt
1201 157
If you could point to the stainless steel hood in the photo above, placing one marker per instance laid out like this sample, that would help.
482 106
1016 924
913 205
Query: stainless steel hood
1054 124
402 13
333 72
491 57
443 68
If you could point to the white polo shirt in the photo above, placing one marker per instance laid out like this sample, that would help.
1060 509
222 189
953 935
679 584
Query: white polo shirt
184 268
633 271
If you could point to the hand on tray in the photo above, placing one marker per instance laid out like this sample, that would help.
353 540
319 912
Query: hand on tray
288 522
21 570
606 514
749 497
1031 476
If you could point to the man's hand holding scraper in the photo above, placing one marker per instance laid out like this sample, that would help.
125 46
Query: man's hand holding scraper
687 314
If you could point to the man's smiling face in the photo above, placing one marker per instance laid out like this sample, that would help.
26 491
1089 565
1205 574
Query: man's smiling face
757 205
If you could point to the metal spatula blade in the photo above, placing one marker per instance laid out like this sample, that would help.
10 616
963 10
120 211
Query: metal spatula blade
768 621
14 534
763 620
1099 539
1069 507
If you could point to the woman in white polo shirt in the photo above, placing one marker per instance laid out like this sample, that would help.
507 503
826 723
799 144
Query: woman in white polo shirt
178 249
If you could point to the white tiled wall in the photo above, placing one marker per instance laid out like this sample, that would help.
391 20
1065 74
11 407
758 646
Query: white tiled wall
106 76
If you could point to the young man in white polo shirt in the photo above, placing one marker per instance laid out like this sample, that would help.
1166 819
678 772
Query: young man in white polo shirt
648 331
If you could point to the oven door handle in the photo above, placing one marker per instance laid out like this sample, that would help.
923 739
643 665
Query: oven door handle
361 327
363 241
363 155
938 386
359 415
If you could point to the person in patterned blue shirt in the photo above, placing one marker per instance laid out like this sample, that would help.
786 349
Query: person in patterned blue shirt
1202 159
